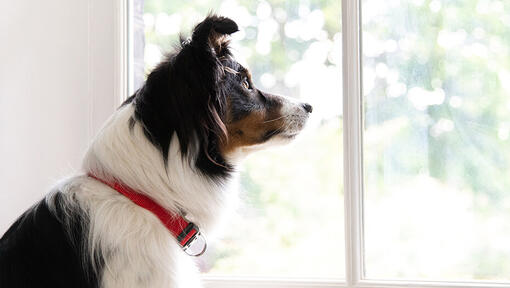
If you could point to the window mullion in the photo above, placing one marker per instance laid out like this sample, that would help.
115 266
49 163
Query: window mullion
352 121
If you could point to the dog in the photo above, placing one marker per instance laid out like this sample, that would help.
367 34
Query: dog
156 178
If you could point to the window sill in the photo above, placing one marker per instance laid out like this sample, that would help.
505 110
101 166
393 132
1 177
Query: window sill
259 282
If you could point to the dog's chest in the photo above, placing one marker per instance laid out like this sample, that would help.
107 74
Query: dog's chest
137 250
150 261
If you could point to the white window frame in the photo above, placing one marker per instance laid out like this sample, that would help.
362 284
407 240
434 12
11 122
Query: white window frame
108 59
353 164
352 139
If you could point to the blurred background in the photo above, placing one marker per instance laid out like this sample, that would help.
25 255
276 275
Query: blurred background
436 83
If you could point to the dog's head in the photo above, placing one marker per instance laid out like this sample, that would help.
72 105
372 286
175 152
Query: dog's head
201 94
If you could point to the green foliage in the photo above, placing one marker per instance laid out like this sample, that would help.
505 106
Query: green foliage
456 51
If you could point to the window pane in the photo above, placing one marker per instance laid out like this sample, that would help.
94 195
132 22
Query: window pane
291 218
436 80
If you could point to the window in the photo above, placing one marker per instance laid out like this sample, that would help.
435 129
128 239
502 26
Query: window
436 83
425 149
290 222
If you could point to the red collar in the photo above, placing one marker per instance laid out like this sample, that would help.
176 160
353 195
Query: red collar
187 234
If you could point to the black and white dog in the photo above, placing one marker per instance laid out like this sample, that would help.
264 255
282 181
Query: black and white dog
166 156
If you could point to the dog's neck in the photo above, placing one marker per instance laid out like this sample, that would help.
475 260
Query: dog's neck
124 154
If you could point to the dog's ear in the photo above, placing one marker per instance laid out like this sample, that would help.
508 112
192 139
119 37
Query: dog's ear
187 96
183 95
212 33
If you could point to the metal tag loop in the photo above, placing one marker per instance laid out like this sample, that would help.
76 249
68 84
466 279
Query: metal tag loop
196 246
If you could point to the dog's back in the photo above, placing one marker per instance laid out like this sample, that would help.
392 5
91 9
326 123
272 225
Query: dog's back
39 251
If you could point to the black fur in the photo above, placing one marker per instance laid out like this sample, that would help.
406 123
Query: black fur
39 250
244 101
184 95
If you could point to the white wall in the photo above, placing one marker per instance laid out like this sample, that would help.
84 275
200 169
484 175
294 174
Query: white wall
57 84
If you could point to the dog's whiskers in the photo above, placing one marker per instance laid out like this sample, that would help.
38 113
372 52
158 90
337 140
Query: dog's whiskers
281 117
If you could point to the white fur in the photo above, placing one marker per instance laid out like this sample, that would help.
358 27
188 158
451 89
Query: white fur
241 153
139 251
295 115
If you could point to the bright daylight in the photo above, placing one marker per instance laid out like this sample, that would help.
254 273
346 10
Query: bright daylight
267 143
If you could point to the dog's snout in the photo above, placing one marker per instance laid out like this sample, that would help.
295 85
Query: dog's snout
308 108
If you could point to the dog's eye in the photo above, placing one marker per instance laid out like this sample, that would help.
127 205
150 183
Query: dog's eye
245 83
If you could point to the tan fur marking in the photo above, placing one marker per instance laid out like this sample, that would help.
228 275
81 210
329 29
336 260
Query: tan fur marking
250 130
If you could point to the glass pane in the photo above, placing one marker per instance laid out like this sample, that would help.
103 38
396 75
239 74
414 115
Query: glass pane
436 80
290 222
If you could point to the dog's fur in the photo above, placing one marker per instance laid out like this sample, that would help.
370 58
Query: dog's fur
177 140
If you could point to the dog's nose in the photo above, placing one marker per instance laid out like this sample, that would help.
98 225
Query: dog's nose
308 108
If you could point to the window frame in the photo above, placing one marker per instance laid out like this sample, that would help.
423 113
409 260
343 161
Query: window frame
353 164
107 60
